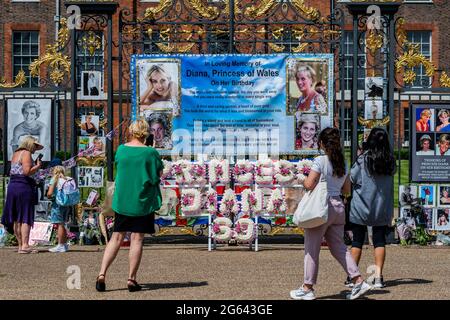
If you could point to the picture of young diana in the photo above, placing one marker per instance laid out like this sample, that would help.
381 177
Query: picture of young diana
158 85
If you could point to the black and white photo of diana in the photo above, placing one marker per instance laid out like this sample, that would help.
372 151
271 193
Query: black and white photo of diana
91 85
29 117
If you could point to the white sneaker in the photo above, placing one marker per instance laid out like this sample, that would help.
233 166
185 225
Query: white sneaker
359 290
59 248
301 294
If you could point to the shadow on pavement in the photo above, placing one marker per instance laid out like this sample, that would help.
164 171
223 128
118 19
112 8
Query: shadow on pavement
343 293
156 286
398 282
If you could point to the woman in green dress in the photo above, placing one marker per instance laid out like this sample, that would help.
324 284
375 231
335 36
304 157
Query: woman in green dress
136 197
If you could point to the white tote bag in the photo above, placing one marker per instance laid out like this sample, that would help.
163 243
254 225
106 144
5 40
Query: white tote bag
312 211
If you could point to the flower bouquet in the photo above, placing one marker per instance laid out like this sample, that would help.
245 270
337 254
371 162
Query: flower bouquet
210 202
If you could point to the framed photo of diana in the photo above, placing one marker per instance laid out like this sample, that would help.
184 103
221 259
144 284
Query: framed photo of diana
157 85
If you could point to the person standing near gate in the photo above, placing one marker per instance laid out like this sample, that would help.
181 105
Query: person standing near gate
332 165
372 202
136 198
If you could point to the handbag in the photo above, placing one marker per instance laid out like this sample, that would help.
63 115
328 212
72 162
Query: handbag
107 210
312 211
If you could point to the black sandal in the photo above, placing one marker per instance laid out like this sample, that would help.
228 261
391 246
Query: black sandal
100 285
134 287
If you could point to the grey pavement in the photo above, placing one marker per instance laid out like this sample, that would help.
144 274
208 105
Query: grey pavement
189 271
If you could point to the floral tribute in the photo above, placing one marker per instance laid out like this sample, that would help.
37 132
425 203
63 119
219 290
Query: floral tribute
210 202
264 171
251 202
191 202
221 229
219 171
284 172
243 172
167 170
303 169
243 232
189 174
276 203
229 204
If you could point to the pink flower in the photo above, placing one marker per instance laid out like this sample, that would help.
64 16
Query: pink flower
285 171
216 228
219 170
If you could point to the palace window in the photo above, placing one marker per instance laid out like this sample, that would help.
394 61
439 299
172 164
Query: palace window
423 40
25 51
348 66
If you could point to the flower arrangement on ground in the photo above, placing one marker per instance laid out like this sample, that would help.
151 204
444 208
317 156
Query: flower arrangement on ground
219 171
277 203
181 169
243 172
303 169
251 202
244 231
167 171
284 172
210 202
264 171
191 202
221 229
229 205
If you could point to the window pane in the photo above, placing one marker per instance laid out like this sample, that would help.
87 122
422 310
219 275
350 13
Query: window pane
24 52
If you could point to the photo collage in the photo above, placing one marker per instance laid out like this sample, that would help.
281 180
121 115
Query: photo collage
374 95
435 200
91 137
432 131
159 98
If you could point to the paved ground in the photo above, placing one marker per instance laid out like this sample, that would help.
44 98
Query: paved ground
229 273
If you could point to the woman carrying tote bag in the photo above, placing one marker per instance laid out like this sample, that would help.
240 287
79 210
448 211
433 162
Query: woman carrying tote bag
332 164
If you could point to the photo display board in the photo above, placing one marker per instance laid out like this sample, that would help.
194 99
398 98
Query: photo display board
227 104
430 143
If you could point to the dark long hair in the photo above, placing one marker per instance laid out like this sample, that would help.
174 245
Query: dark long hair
330 140
379 156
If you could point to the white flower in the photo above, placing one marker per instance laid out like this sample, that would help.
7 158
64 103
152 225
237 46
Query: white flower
229 204
284 172
219 171
243 172
247 230
251 201
191 201
303 169
264 171
167 171
277 203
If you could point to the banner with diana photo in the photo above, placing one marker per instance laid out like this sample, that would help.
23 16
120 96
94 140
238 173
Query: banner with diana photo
234 104
430 143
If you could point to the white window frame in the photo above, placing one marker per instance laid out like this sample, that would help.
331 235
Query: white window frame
430 57
29 77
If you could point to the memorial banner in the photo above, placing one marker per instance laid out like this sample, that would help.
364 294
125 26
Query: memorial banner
430 143
234 104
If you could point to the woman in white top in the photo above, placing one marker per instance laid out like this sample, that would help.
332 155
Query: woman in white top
333 230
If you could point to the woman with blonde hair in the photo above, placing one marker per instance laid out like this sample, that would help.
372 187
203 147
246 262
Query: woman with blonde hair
161 90
136 198
22 195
